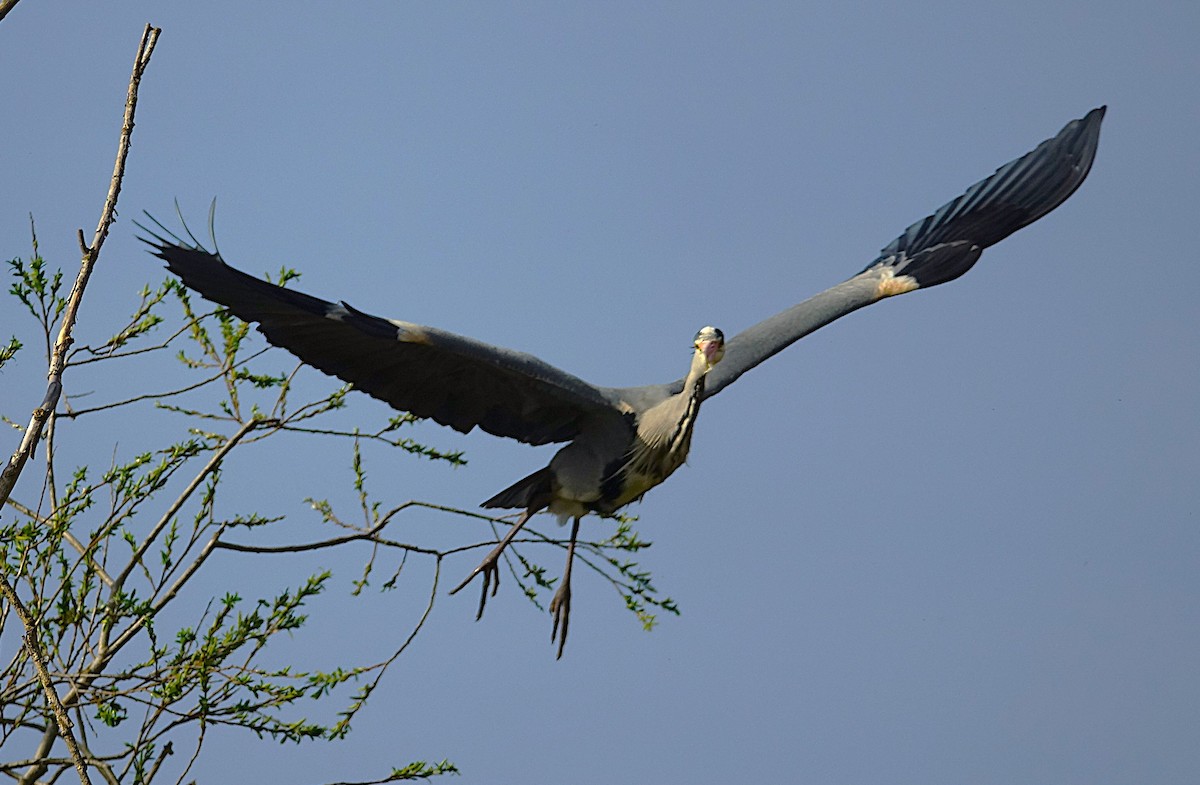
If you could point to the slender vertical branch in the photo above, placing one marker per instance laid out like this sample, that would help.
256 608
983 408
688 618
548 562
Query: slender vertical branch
42 414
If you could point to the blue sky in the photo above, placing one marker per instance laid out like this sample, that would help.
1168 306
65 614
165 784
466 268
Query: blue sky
951 538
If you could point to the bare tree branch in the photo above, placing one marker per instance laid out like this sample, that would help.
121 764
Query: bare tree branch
8 478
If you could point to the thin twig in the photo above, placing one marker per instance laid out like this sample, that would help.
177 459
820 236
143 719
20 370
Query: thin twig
370 535
96 355
168 749
322 544
73 413
70 538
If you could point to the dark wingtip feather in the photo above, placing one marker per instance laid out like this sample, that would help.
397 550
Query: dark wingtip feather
160 238
944 245
249 298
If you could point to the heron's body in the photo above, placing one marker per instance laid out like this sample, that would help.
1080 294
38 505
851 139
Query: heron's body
616 459
621 442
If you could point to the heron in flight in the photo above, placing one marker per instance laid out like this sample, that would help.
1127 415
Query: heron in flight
620 442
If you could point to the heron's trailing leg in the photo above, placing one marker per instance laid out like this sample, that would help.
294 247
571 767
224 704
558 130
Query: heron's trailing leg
490 566
560 604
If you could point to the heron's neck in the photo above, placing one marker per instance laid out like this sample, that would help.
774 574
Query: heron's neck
687 405
695 377
664 437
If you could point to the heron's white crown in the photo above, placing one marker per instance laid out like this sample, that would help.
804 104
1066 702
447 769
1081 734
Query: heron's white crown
711 343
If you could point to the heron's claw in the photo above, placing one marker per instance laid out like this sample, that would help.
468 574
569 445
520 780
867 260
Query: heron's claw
491 572
560 603
490 566
560 606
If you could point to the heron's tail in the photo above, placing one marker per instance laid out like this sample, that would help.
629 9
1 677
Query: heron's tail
532 493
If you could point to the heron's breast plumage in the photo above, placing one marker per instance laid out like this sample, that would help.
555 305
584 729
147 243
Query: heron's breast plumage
660 446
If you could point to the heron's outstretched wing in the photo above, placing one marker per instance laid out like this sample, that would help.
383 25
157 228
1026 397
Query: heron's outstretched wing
937 249
454 380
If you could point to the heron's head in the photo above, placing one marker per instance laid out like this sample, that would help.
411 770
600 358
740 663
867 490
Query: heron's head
710 342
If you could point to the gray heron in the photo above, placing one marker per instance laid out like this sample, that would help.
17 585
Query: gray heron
620 442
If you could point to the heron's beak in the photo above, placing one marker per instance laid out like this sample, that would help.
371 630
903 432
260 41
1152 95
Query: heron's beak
713 351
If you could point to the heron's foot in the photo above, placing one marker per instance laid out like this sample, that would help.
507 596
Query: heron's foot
490 567
560 606
560 603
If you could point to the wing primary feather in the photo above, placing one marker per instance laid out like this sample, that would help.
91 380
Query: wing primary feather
1016 195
